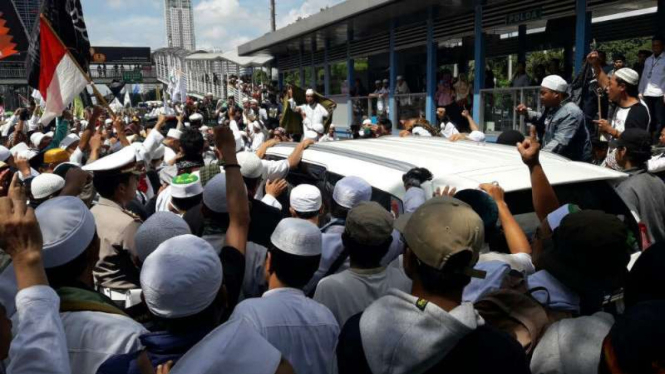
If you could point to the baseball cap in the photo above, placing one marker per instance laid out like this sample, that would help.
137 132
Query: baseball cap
442 228
590 252
635 140
369 224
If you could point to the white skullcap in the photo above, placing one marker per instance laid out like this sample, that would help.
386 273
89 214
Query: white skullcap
367 122
309 134
628 75
309 92
36 138
555 83
385 81
377 81
209 94
69 140
306 198
234 346
67 227
245 100
195 117
351 191
4 153
157 229
203 129
253 101
181 277
250 165
84 123
159 152
108 121
45 185
399 78
297 237
28 154
420 131
214 194
414 198
117 160
318 128
173 133
20 147
186 185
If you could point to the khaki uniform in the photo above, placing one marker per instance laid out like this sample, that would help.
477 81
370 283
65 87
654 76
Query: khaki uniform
116 228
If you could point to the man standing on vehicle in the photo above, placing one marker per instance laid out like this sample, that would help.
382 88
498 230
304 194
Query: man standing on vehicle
561 127
312 112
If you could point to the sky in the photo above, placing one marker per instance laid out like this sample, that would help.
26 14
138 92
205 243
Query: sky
219 24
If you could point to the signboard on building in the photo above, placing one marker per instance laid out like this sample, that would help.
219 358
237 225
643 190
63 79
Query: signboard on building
524 16
120 55
133 76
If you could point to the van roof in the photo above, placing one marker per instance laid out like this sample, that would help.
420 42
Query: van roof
461 164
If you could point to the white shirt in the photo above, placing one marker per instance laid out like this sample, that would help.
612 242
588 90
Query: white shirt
652 83
77 157
40 345
303 330
657 163
327 138
93 337
258 138
315 113
448 130
351 291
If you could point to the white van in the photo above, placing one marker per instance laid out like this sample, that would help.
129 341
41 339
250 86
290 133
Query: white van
464 165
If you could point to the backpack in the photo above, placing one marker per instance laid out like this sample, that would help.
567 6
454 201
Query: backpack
517 313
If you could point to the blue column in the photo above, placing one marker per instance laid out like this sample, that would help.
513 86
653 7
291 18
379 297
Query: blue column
350 72
521 42
326 68
479 52
301 71
312 67
280 80
582 34
430 105
393 77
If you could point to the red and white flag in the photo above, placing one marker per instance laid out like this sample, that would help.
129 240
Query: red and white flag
60 78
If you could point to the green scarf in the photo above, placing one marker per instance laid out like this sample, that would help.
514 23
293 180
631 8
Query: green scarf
74 299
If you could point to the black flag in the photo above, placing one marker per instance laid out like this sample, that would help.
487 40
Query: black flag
66 19
13 37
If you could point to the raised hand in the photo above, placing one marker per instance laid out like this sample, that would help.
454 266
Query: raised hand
276 188
529 149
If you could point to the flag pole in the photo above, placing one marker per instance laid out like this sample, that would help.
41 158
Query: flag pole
95 91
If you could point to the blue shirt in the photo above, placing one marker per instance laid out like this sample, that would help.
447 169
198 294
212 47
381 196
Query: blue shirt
302 329
563 131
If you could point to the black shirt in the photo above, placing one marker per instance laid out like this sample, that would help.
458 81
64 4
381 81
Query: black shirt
263 221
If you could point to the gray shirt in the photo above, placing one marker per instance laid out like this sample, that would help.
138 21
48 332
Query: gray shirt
645 194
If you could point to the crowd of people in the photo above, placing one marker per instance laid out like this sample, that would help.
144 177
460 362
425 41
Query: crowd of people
167 241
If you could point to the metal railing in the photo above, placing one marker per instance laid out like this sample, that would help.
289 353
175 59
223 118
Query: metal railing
497 108
12 73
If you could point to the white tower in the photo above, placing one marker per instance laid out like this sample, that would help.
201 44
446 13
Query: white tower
179 24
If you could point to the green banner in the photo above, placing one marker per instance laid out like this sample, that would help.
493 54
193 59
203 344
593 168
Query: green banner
132 76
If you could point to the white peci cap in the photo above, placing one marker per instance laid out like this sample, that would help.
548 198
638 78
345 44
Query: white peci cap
253 101
4 153
173 133
351 191
250 165
628 75
378 81
306 198
297 237
181 277
367 122
399 78
36 138
195 117
69 140
214 194
309 92
28 154
385 81
157 229
108 122
68 236
20 147
245 100
186 185
555 83
45 185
